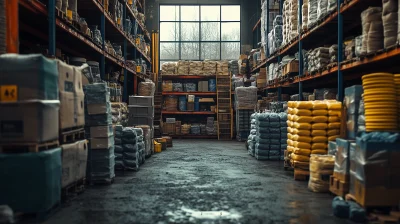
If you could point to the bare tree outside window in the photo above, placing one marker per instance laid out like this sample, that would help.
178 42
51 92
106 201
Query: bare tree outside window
199 32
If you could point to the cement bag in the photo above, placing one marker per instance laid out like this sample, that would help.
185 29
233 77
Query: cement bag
290 124
275 130
289 142
263 136
302 119
291 111
320 112
321 146
304 105
301 138
118 149
130 147
292 104
319 126
333 132
334 105
263 130
302 112
275 147
263 141
337 113
273 117
290 136
303 152
320 105
335 125
303 145
333 138
275 136
284 131
319 139
262 146
319 119
289 129
300 158
290 149
301 132
263 117
318 133
332 119
304 126
290 117
284 146
275 124
319 152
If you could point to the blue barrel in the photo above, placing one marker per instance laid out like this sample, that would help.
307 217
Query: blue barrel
182 103
212 85
196 106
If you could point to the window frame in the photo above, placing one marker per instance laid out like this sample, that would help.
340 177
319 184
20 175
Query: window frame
200 22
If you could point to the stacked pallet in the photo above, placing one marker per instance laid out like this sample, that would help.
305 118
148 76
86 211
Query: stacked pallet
99 131
29 137
224 107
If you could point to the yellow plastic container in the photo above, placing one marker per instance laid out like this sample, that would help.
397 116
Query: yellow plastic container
157 147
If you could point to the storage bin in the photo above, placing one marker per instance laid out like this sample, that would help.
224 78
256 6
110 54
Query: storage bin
157 147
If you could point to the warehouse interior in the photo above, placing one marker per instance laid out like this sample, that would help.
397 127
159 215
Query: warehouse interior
188 111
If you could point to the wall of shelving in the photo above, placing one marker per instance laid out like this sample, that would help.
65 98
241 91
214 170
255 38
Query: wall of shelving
335 28
50 26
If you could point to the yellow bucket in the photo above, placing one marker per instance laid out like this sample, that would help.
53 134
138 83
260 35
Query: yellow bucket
157 147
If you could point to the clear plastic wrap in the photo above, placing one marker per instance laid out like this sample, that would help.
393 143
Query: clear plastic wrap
372 29
321 168
147 88
246 97
390 22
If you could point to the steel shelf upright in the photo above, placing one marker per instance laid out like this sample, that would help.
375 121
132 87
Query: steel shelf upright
340 52
301 60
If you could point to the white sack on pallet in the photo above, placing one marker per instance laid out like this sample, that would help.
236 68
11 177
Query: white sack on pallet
183 67
209 68
372 29
195 67
168 68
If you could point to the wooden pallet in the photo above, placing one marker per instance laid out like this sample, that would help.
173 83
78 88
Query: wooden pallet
379 218
60 14
73 190
28 147
300 174
338 187
72 135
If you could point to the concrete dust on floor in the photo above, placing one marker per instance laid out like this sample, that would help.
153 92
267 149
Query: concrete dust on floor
201 181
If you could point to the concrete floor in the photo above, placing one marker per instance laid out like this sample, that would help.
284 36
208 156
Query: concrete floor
187 182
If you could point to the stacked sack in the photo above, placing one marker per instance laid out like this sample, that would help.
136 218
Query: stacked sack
332 5
251 140
284 131
234 67
169 68
275 37
322 9
183 67
209 68
390 22
333 53
119 151
372 30
290 18
195 67
311 124
147 135
304 14
130 149
141 145
318 58
222 68
268 141
312 13
119 113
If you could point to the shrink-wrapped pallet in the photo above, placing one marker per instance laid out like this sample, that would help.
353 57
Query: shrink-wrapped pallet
321 168
147 88
183 67
169 68
209 68
246 97
196 68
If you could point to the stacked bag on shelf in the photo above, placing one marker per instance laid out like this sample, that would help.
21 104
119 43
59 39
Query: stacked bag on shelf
222 68
322 9
312 13
390 22
195 67
275 37
372 30
183 67
251 140
284 131
169 68
209 68
304 15
290 21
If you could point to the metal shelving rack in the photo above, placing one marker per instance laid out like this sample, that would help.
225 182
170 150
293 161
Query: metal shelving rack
344 21
62 34
224 107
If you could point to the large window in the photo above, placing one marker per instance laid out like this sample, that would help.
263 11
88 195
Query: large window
199 32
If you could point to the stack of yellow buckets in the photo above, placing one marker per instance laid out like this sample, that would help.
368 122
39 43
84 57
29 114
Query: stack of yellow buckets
380 99
311 124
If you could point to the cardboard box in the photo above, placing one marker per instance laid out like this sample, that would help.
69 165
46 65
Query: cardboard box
101 143
29 121
66 77
69 164
291 67
78 83
93 109
101 131
67 110
82 159
80 109
31 77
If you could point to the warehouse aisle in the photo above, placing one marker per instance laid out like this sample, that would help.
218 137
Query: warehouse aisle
201 175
